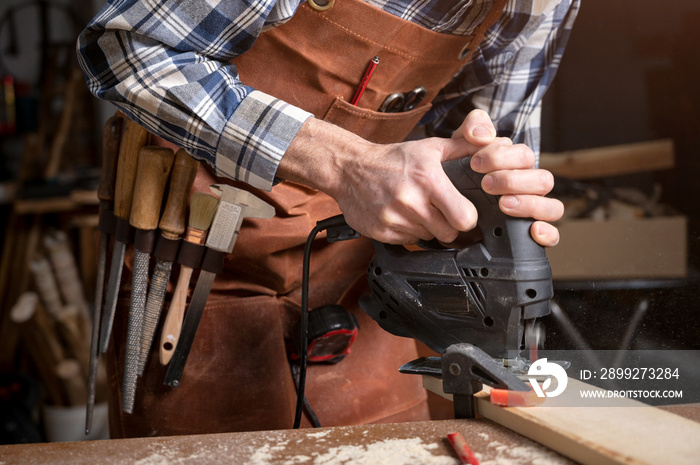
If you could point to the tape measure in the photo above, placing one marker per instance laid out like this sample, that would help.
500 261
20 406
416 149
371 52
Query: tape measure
332 330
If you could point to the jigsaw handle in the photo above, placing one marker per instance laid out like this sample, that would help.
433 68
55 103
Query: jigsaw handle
503 236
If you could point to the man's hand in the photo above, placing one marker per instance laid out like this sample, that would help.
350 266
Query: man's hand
399 193
510 173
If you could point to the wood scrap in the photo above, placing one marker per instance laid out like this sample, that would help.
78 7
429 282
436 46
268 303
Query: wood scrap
39 335
46 285
610 161
74 336
74 81
66 272
70 373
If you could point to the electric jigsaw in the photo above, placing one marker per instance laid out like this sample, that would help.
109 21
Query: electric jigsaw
476 306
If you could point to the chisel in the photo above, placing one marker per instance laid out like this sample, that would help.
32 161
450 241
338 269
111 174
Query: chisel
154 167
172 225
234 205
202 209
111 135
133 138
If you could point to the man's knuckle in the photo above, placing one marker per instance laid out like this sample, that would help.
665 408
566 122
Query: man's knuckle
509 181
526 154
467 221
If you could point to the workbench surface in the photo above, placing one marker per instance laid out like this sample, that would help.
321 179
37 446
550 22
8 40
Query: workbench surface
395 444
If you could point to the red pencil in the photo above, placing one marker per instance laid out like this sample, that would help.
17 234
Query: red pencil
463 451
365 80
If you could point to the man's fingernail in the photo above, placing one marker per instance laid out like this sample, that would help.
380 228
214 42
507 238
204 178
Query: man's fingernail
538 229
482 132
488 182
510 201
477 162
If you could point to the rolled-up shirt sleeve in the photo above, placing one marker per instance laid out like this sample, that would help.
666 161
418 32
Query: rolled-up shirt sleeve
166 64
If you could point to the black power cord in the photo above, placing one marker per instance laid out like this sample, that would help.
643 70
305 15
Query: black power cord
338 230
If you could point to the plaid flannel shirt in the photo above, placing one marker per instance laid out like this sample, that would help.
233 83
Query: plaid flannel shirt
166 64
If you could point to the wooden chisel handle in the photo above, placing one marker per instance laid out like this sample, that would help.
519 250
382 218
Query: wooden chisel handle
172 223
133 138
176 313
111 135
154 166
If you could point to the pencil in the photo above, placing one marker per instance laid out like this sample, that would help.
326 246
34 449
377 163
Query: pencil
463 451
365 80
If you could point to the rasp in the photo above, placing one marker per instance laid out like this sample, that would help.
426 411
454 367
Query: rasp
172 225
133 138
234 205
202 209
154 167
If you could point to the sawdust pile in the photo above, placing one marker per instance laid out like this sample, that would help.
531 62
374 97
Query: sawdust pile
509 455
164 454
390 451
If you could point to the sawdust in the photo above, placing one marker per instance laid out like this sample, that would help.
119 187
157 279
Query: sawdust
158 458
163 455
266 454
390 451
509 455
318 435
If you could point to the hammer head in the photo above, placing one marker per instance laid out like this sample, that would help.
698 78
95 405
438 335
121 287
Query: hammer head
234 205
253 207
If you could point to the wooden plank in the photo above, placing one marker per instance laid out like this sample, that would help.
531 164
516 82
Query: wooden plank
610 161
44 206
598 432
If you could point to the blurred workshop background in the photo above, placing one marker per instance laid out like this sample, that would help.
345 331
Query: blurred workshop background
620 129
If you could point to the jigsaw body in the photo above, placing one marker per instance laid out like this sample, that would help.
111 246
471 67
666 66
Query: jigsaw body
483 294
476 306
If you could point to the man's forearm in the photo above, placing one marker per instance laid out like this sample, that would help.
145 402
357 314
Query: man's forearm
319 154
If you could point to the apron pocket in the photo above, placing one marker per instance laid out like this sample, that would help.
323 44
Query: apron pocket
372 125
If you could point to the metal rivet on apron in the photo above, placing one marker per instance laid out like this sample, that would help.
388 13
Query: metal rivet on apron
464 52
321 5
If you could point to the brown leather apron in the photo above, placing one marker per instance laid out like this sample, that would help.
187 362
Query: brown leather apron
237 376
